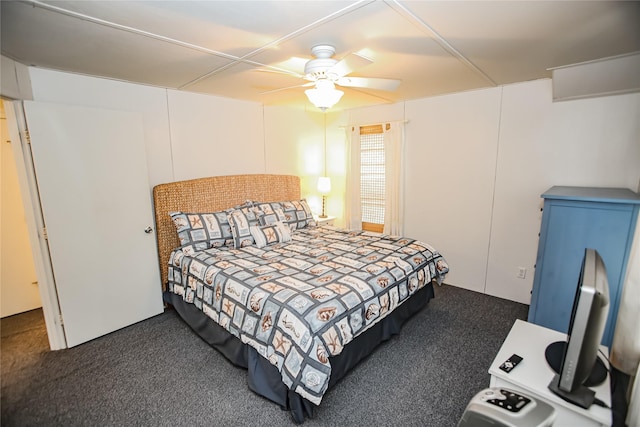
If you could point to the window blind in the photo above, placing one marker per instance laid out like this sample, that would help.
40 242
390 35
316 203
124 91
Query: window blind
372 177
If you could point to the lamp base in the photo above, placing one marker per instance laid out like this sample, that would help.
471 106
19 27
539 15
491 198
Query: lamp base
323 215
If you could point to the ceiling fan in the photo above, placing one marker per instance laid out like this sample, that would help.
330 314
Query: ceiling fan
325 72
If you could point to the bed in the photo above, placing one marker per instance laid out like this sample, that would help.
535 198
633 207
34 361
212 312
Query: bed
297 305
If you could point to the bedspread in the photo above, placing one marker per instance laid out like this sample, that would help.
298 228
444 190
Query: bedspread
298 303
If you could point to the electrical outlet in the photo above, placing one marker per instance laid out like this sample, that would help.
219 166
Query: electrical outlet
522 273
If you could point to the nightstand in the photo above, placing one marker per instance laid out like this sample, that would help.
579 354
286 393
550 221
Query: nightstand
324 221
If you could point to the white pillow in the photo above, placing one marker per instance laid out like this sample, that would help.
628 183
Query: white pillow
265 235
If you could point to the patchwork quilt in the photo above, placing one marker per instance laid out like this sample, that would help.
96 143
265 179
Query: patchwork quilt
300 302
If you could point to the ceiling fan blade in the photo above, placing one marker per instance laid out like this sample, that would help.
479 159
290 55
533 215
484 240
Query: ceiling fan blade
349 64
293 66
279 71
287 88
369 83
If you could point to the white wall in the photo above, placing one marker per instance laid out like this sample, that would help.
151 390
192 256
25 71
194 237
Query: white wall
295 144
478 161
589 142
451 154
14 79
214 136
187 135
150 102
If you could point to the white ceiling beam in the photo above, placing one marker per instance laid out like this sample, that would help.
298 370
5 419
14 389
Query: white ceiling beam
395 5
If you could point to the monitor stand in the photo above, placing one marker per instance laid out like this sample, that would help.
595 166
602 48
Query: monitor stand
555 353
582 395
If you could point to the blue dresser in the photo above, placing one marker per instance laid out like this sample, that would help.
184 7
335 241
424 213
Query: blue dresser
575 218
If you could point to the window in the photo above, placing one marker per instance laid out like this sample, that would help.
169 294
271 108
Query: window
372 177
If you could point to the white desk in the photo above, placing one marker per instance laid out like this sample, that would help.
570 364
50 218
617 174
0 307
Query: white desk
533 375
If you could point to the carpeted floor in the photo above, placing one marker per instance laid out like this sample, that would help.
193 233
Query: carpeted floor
158 372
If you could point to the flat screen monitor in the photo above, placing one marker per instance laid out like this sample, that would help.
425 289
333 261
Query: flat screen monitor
576 360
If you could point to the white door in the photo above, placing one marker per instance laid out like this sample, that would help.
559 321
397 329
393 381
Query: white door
92 177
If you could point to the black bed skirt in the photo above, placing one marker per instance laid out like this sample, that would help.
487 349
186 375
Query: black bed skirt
265 379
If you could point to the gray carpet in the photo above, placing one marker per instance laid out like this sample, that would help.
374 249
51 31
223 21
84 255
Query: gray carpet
158 372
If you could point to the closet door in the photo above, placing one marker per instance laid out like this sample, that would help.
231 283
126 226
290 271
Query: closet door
92 177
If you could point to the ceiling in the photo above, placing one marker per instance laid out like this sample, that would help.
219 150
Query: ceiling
225 48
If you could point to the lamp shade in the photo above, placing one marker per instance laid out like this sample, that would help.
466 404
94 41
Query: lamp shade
324 185
324 95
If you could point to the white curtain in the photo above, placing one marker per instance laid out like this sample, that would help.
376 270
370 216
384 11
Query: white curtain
394 181
353 206
625 352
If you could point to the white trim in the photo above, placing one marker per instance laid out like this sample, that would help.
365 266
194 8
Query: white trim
35 222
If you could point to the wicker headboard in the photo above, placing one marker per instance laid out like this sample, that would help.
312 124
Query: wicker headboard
211 195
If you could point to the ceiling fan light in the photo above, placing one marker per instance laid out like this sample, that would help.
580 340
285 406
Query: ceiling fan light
324 95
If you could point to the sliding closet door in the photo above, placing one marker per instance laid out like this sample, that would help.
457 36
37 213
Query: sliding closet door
92 177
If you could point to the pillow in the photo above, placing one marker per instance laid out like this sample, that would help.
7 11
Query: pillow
202 230
240 221
269 234
298 213
270 213
295 213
